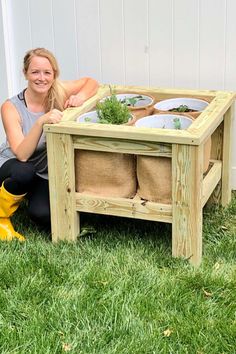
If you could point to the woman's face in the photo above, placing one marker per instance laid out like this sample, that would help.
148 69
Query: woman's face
40 75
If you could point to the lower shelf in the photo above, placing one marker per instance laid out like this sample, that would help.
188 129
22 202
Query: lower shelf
141 209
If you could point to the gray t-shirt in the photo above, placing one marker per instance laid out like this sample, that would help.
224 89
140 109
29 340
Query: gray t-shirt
39 157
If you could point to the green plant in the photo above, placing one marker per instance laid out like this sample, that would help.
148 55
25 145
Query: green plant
177 123
182 108
131 101
118 290
112 111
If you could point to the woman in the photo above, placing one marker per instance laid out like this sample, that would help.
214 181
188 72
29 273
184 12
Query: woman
23 160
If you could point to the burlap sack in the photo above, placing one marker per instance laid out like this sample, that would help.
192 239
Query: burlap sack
155 176
105 174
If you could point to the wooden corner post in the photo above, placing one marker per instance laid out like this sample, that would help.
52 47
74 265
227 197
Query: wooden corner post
64 217
187 168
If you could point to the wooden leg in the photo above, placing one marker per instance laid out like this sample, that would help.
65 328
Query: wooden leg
187 177
64 218
226 158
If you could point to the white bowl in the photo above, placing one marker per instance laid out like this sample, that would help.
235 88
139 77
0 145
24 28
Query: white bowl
89 117
163 121
192 103
145 101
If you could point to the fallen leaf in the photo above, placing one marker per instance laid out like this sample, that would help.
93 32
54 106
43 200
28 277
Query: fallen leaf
207 293
87 231
167 332
224 227
216 266
66 347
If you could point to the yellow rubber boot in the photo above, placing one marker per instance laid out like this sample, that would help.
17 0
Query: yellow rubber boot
9 203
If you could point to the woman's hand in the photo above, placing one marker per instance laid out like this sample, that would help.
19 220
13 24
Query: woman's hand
75 101
52 117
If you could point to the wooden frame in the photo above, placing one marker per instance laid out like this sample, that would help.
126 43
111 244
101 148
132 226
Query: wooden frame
190 188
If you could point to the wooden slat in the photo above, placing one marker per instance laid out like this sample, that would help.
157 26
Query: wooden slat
131 208
165 93
64 218
122 146
70 114
216 154
226 161
212 116
123 132
187 172
211 180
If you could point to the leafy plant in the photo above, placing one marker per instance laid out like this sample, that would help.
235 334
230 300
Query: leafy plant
131 101
182 108
87 119
177 123
112 111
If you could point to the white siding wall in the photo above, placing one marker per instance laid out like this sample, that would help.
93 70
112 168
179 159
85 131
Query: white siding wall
171 43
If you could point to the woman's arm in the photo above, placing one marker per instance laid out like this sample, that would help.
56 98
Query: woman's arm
24 146
78 91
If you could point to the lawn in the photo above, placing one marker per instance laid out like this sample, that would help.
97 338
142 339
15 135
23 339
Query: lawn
118 290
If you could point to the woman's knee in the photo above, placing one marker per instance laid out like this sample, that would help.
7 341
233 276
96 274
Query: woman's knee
23 173
40 216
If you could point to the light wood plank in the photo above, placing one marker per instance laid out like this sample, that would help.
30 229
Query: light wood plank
226 161
216 154
123 132
211 180
187 172
123 146
64 218
131 208
212 116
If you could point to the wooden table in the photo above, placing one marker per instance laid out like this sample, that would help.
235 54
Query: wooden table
190 188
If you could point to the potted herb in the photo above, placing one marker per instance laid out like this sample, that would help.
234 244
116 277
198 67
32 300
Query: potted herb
140 105
106 174
112 111
108 111
181 105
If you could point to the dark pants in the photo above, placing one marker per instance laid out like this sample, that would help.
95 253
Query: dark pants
20 178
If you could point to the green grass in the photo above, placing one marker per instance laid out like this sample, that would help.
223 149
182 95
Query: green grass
118 290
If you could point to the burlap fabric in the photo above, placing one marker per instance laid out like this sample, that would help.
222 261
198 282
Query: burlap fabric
155 177
105 174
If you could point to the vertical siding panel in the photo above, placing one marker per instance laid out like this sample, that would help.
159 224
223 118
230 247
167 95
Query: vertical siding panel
5 54
136 42
21 40
64 37
88 38
212 44
230 62
3 73
185 46
160 42
41 24
230 67
111 29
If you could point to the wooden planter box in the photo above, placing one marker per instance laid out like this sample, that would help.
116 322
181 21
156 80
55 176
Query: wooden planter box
190 188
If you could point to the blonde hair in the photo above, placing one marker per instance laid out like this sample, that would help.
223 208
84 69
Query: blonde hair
56 94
